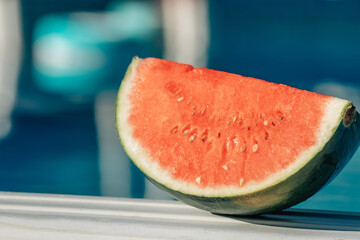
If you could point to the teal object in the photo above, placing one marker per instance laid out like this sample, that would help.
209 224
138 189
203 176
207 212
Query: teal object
68 57
137 21
79 53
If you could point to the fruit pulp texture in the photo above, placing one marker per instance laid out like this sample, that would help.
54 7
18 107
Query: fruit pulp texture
213 128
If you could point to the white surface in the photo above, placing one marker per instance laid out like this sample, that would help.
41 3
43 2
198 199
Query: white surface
36 216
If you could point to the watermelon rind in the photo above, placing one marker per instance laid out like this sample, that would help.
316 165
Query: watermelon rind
338 140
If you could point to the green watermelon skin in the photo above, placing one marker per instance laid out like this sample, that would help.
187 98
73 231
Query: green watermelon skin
302 184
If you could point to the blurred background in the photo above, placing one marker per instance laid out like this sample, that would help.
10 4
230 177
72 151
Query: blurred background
61 63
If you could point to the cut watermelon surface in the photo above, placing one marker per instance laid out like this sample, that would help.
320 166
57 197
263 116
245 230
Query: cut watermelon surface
231 144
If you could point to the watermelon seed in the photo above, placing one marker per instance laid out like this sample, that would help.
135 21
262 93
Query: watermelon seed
227 145
273 123
219 135
186 131
198 180
174 130
180 99
243 148
266 123
234 119
281 117
169 84
255 148
204 135
241 181
178 91
202 112
192 138
225 167
266 137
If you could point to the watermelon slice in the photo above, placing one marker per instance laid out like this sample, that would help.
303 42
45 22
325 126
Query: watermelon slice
231 144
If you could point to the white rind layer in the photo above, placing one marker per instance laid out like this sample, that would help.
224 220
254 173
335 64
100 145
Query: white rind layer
332 119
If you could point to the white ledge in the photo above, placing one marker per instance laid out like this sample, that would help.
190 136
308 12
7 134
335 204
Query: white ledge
42 216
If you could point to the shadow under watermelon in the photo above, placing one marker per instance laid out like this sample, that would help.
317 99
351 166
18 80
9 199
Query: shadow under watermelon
305 219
